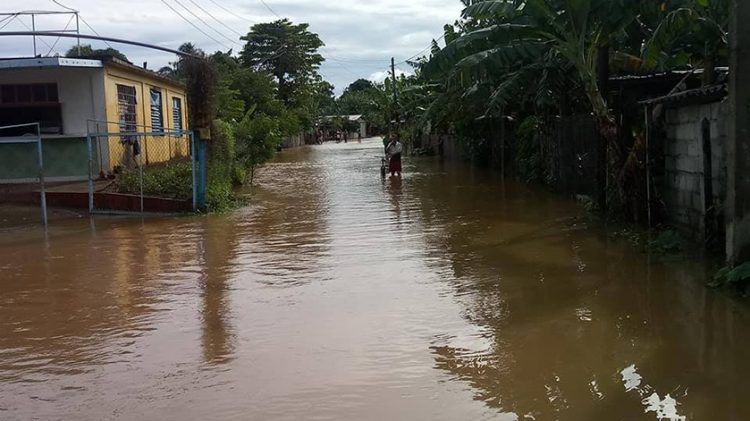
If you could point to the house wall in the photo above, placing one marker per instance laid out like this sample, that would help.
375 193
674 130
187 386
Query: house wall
154 149
81 96
684 191
80 90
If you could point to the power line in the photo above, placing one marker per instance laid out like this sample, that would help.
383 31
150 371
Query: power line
231 12
27 27
193 25
421 52
353 61
64 6
200 19
57 2
7 17
94 31
58 38
270 9
12 18
214 18
356 61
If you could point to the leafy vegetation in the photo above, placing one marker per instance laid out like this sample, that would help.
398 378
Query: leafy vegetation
88 52
668 241
738 277
173 181
252 101
542 60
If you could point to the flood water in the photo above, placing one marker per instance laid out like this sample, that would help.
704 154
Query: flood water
449 295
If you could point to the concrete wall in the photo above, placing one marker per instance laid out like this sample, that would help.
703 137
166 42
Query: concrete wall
154 149
684 189
81 96
80 91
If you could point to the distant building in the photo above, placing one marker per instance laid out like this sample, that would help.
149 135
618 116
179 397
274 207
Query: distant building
75 98
357 119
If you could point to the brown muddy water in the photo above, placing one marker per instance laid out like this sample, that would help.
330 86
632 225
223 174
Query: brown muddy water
449 295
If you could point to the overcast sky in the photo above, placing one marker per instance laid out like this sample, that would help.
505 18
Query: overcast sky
360 35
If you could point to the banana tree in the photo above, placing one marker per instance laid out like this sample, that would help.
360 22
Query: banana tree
694 33
509 44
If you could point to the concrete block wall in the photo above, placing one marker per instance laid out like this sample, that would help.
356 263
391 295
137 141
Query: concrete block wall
684 162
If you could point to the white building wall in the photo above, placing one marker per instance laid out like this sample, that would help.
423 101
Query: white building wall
80 91
684 191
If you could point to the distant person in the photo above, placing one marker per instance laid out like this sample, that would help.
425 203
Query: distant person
359 137
393 152
346 136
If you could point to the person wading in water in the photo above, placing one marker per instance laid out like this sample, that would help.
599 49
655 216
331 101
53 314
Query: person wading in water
393 152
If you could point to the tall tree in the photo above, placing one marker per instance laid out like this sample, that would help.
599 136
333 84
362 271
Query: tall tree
286 50
360 85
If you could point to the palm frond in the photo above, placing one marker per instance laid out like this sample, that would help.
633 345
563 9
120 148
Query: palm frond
499 59
670 28
475 41
491 9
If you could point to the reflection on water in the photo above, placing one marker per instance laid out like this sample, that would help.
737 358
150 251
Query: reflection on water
449 294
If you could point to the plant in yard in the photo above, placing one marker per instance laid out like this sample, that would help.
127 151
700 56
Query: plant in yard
737 276
693 34
525 55
258 136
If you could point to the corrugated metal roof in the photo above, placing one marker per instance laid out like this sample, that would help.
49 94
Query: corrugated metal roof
701 95
353 117
664 75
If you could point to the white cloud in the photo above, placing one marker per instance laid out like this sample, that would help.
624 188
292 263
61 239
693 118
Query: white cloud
360 35
379 77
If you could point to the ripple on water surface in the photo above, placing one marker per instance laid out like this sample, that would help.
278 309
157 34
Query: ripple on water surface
450 294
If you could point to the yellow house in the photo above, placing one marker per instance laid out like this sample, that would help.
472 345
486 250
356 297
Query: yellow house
73 99
139 100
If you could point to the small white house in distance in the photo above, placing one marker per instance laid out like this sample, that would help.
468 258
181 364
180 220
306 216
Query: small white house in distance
359 119
354 118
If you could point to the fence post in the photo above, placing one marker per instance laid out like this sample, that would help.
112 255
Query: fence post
193 156
140 172
200 147
42 191
89 145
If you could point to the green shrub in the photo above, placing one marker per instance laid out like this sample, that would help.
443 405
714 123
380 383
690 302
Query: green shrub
220 195
668 241
172 180
737 276
531 166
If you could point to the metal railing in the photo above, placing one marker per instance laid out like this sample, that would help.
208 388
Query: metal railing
138 147
26 139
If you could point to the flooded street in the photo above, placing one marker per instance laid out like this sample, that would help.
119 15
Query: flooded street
449 295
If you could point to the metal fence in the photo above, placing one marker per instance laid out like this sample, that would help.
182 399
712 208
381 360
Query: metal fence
28 135
139 161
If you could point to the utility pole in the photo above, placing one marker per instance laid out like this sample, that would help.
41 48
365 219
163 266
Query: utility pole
395 94
738 146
